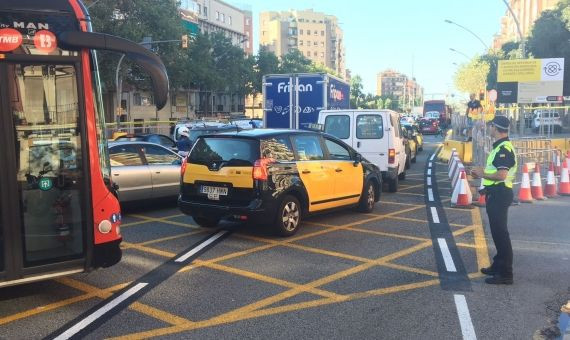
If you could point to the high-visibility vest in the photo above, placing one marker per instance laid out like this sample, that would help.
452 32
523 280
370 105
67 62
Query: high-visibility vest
490 168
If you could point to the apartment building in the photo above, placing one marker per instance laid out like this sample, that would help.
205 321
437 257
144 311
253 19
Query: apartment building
526 11
316 35
399 87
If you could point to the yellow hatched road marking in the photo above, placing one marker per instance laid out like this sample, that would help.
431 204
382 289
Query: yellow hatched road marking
480 241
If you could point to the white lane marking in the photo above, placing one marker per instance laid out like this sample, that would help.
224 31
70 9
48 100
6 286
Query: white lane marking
429 172
430 164
434 215
432 157
449 265
429 181
430 195
201 246
100 312
464 318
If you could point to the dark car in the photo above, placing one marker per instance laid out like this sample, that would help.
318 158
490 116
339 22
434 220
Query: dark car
429 126
274 177
163 140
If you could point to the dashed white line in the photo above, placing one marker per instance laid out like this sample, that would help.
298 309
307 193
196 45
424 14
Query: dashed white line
449 265
430 195
464 318
100 312
201 246
434 215
430 164
432 157
429 181
429 172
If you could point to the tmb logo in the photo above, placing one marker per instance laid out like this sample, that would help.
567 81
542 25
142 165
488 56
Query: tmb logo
335 94
286 87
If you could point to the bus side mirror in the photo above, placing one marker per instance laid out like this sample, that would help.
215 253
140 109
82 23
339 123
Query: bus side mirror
148 61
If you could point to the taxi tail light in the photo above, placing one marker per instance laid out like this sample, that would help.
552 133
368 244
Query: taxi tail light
183 167
391 156
260 168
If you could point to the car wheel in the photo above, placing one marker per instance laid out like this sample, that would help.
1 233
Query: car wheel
288 216
368 198
421 148
205 222
393 184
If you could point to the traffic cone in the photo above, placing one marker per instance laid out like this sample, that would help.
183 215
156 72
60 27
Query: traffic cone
564 188
461 197
482 201
557 166
457 174
536 186
568 159
525 195
550 188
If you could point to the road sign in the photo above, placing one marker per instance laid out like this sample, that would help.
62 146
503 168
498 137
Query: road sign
45 184
530 81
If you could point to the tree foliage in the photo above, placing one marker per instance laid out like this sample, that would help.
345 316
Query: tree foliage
472 77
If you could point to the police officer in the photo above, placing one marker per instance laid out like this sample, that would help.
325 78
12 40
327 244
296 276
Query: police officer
498 176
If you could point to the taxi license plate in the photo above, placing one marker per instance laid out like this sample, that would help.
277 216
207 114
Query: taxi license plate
214 192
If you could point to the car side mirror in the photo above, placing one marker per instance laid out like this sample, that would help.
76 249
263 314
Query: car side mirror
357 159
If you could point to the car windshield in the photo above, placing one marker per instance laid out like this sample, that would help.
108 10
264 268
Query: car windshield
229 151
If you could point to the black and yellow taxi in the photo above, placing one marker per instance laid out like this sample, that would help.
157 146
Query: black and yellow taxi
274 177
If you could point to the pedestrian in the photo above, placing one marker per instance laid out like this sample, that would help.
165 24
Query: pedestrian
498 176
474 109
184 144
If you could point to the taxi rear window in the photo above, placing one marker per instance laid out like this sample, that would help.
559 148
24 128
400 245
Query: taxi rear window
230 151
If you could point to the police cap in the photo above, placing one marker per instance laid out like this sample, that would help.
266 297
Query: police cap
501 122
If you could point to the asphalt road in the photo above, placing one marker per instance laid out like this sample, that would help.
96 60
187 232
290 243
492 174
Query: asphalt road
384 275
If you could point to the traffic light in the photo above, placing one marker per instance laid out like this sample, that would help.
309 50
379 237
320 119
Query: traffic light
185 41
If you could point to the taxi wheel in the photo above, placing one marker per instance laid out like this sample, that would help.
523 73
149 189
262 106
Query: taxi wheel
368 198
207 222
288 216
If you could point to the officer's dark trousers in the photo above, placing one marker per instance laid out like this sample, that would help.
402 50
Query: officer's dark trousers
499 198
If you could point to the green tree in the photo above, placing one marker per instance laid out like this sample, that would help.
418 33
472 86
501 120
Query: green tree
294 62
356 94
472 77
388 103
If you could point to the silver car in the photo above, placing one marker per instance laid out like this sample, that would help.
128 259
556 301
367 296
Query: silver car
144 170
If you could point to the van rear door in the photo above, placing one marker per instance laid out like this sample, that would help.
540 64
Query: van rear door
370 139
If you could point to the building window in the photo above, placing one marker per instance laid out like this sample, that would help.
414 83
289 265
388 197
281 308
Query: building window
199 9
205 11
322 44
300 42
316 32
308 53
247 43
230 20
308 43
301 32
217 15
315 43
247 21
315 53
322 33
223 17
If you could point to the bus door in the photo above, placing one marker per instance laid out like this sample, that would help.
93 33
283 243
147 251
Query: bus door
43 215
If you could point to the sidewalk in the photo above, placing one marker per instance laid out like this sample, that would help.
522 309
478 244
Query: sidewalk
540 234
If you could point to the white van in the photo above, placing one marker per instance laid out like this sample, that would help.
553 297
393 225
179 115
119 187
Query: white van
375 134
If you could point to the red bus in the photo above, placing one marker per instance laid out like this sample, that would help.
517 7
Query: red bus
439 106
58 209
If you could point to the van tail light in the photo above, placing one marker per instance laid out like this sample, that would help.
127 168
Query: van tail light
183 167
391 156
434 123
260 168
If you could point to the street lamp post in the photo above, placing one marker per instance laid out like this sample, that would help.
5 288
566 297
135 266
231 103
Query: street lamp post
470 31
463 54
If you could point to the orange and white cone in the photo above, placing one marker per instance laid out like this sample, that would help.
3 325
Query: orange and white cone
536 186
568 159
481 201
557 165
550 188
525 195
564 188
461 197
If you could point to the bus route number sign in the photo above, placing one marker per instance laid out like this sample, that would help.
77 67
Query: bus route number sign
45 41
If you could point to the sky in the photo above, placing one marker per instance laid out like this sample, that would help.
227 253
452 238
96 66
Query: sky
409 36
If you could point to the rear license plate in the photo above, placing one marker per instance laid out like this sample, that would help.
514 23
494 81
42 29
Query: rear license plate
214 193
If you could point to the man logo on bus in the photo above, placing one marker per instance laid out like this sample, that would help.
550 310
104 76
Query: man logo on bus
286 87
336 94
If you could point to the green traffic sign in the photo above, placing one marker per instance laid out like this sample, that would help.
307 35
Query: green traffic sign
45 184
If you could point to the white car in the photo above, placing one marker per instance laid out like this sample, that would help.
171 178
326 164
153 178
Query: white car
194 124
375 134
546 120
